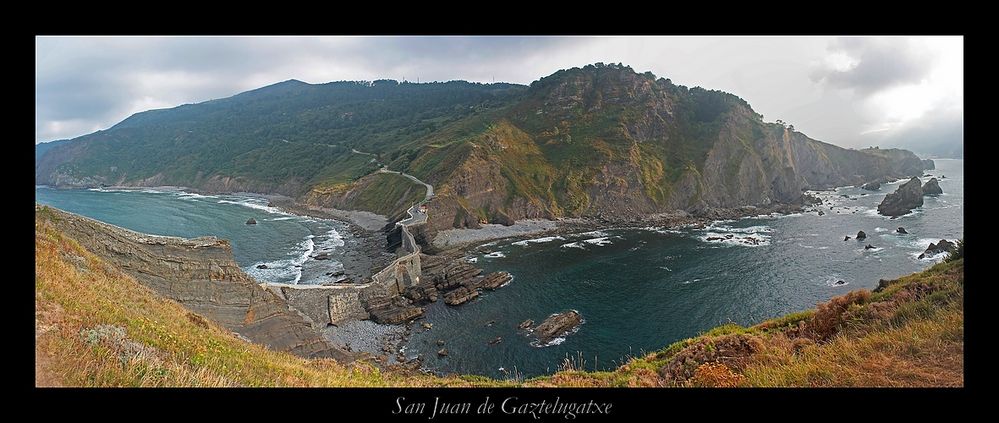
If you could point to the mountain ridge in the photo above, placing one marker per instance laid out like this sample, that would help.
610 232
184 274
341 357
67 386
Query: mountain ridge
598 140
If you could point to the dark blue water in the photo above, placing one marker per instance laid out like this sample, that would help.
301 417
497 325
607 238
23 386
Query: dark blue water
638 290
280 241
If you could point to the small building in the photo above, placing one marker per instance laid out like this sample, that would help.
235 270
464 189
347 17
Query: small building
423 208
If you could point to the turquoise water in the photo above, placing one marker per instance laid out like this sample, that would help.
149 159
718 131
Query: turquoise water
280 241
637 289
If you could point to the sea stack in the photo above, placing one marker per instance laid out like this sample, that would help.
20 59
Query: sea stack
903 200
932 187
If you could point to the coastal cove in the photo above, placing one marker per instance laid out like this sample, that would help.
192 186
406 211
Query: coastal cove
637 289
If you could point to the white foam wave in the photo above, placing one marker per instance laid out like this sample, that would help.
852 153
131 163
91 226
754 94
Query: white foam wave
600 242
284 269
662 230
495 254
333 240
834 281
256 204
594 233
574 245
472 260
525 242
193 196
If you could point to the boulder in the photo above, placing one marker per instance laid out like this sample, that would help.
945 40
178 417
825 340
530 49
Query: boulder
839 283
496 340
557 325
903 200
861 235
901 230
251 221
932 187
442 352
872 186
847 238
261 266
526 324
440 342
322 256
944 246
503 219
869 247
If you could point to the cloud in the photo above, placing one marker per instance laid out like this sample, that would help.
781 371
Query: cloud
831 89
940 133
869 65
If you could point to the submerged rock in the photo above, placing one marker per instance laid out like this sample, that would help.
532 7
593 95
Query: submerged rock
932 187
557 325
839 283
944 246
251 221
496 340
261 266
869 247
903 200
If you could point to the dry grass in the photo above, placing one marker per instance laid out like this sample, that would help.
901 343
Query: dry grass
77 295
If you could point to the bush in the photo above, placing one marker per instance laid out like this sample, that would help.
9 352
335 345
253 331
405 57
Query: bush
958 253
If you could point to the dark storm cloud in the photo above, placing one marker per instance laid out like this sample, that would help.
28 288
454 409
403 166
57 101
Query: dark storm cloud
879 63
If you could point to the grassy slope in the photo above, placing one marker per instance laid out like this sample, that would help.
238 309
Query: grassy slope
165 345
910 334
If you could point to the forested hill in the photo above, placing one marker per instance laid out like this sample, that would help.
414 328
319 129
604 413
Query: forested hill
282 138
601 140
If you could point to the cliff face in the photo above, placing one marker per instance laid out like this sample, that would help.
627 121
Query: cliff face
601 140
606 141
201 275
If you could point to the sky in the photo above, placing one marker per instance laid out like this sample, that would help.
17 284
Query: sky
850 91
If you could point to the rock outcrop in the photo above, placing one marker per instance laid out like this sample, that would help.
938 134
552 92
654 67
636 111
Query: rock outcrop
392 311
928 164
932 187
557 325
201 275
460 295
494 280
872 186
903 200
944 246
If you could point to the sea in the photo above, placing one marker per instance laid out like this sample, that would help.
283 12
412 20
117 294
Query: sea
637 289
